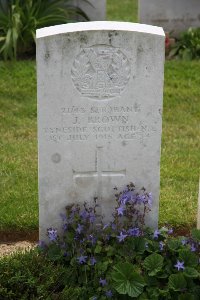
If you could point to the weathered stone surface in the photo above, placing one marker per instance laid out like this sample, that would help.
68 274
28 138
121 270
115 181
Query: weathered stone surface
175 16
100 88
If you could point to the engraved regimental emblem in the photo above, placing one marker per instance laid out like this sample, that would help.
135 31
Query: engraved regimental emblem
101 72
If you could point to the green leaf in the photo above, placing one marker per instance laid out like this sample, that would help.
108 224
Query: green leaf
139 245
54 253
174 244
110 251
102 266
98 249
151 281
174 51
143 296
177 282
187 54
186 296
153 263
154 292
126 280
190 259
196 234
191 272
196 292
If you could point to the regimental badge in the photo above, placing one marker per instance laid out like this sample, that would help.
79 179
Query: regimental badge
100 72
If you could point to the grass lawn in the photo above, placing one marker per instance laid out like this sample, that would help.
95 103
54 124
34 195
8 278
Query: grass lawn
180 140
122 10
18 158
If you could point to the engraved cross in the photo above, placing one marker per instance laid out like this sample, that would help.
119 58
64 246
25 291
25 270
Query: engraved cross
98 172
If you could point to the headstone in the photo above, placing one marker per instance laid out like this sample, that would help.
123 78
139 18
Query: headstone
94 9
175 16
100 90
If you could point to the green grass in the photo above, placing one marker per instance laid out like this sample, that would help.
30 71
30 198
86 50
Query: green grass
122 10
18 159
180 141
180 144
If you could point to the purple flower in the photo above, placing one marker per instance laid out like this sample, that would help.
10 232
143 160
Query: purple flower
82 241
179 265
134 231
76 238
103 282
183 242
121 237
84 214
93 261
140 199
170 231
82 259
74 209
150 199
156 234
193 248
79 229
113 226
92 218
52 234
92 239
109 294
65 226
120 210
105 226
161 246
108 237
125 197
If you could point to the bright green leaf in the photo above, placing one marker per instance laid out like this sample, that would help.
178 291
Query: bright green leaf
177 282
126 280
191 272
153 263
190 259
98 249
174 244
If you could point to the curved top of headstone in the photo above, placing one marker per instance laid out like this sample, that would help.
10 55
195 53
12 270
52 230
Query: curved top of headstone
98 25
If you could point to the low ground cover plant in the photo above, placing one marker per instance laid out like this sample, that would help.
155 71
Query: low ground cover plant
187 47
119 260
19 20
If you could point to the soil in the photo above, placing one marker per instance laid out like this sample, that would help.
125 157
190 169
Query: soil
12 241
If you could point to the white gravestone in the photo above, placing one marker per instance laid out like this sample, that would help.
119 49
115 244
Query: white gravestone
100 89
175 16
94 9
